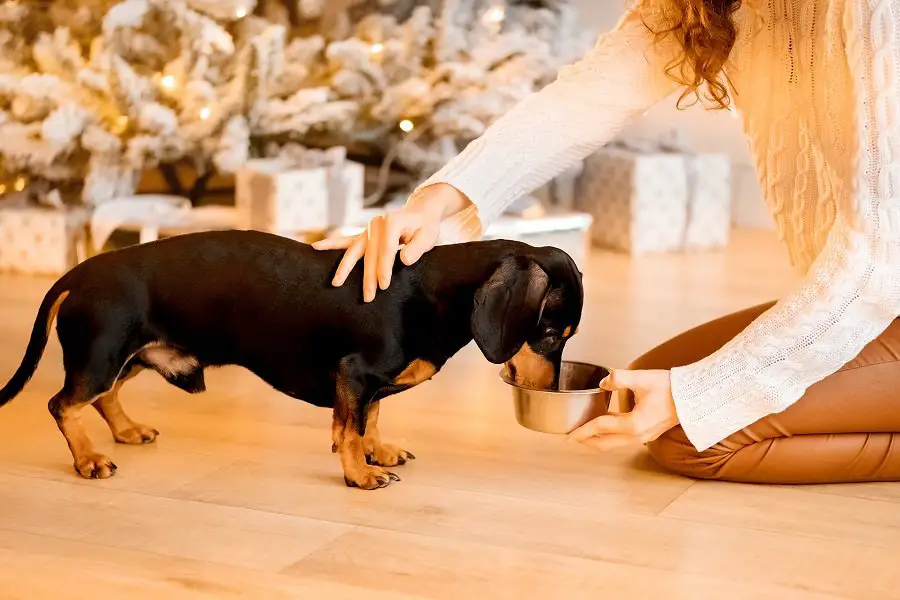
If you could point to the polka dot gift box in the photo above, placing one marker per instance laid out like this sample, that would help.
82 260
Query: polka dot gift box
650 198
42 241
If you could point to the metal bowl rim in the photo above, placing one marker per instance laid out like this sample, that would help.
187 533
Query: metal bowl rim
597 390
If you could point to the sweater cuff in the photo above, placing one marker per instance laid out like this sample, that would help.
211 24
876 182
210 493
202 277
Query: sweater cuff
709 413
478 180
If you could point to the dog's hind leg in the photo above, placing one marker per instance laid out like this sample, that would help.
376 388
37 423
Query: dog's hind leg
93 360
350 416
124 430
66 409
377 452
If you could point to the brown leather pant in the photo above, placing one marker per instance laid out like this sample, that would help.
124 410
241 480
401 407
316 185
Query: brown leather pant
846 428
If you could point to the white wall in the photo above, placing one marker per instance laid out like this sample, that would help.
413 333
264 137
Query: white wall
705 130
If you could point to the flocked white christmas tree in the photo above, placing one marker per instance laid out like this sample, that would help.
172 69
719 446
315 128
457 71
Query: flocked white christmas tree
96 91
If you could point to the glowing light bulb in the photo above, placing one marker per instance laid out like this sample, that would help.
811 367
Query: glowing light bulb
205 112
2 188
495 15
20 183
168 82
377 48
406 125
241 12
121 124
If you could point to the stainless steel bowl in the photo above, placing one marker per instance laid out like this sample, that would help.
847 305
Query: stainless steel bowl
578 400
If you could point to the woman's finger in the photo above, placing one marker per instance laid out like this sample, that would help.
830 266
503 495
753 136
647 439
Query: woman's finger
388 246
621 379
421 242
335 243
370 260
605 425
355 252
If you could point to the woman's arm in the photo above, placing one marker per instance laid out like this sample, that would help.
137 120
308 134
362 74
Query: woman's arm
852 292
548 132
540 138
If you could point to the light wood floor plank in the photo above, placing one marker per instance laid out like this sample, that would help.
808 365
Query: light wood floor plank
444 569
35 566
213 533
792 511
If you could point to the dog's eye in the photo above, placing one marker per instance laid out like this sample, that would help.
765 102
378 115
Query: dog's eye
549 332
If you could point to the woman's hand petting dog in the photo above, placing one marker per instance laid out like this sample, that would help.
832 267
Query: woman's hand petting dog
653 413
416 226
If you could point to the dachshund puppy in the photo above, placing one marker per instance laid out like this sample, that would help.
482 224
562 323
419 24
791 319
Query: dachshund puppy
265 303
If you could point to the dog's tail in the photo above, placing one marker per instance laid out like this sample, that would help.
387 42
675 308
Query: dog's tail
40 334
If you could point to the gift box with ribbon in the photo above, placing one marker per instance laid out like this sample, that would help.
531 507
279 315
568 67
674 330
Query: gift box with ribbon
300 190
650 197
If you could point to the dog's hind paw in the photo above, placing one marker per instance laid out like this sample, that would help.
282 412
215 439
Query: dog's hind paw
370 478
388 455
96 466
139 434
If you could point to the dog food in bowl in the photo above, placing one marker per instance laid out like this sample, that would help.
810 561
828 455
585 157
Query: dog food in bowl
578 400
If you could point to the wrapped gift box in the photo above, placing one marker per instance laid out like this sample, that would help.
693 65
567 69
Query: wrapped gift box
289 195
42 241
649 199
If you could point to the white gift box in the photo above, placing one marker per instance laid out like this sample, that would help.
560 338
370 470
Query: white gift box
42 241
649 200
274 195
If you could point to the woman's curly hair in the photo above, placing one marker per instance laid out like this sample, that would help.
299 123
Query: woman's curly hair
706 32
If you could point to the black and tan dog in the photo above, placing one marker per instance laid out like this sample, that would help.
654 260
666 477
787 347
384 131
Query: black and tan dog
265 303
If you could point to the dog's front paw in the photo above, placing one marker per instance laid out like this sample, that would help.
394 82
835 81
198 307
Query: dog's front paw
370 478
139 434
95 466
388 455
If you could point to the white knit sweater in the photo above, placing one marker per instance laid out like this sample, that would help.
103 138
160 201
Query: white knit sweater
817 85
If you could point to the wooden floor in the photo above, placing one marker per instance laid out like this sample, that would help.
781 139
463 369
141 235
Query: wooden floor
241 496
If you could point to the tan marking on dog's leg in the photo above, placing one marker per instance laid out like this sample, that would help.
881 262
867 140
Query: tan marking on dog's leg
377 452
350 445
531 369
415 373
88 463
124 430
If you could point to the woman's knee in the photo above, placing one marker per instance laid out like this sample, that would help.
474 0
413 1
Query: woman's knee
675 453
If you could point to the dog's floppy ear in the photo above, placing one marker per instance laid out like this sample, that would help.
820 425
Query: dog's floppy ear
508 306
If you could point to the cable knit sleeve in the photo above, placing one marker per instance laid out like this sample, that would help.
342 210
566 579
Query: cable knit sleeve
852 291
566 121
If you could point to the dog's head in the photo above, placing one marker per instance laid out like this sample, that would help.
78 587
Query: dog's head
526 312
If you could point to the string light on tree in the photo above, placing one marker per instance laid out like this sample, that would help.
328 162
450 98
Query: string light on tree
121 124
168 82
376 49
205 113
495 15
20 183
406 126
241 12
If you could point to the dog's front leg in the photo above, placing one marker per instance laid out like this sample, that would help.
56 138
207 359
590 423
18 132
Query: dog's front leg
349 428
377 452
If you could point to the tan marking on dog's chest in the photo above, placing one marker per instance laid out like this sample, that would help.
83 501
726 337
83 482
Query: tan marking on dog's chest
416 372
168 360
